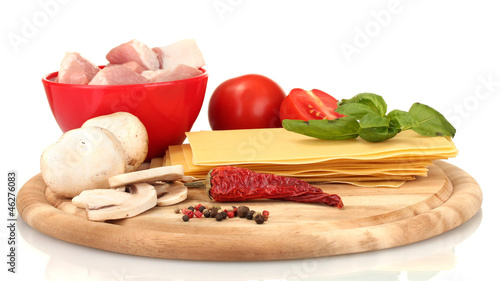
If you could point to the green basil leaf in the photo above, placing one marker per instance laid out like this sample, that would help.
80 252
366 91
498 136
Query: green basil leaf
376 128
337 129
378 134
355 110
430 122
375 102
402 119
373 120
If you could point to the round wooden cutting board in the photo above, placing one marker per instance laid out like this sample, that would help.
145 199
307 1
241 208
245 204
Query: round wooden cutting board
372 219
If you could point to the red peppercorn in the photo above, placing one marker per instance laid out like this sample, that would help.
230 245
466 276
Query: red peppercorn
189 213
198 214
265 213
230 214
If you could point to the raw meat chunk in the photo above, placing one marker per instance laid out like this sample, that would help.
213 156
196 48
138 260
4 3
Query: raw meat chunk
134 50
132 65
185 51
181 71
76 69
117 75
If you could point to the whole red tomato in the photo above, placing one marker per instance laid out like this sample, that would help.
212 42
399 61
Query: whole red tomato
246 102
307 105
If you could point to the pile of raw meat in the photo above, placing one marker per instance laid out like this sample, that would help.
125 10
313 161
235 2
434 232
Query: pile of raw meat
135 63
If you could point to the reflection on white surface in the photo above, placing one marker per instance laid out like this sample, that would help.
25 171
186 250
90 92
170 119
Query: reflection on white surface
420 261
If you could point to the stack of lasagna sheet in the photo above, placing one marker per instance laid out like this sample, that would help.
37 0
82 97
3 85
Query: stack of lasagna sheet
385 164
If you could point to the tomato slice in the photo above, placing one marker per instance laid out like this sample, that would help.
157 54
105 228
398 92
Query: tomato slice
306 105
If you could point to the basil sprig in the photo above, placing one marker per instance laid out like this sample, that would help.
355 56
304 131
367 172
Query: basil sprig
366 116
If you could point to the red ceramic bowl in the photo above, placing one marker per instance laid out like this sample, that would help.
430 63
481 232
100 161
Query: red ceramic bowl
167 109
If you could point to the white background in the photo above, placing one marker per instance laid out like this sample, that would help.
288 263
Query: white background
442 53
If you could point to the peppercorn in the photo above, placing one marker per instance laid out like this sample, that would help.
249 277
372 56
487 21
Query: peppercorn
265 213
177 210
259 218
198 214
230 214
189 213
219 217
235 210
185 218
250 215
243 211
202 208
214 212
206 213
224 214
191 208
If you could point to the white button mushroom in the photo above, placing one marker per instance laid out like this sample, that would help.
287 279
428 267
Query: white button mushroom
131 133
82 159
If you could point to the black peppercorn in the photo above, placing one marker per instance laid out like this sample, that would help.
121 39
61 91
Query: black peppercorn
259 219
185 218
219 217
191 208
243 211
250 215
214 212
206 213
224 214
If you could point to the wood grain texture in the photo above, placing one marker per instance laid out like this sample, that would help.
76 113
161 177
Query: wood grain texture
372 219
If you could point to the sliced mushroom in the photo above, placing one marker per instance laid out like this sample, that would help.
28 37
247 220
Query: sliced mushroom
165 173
131 133
170 193
141 197
97 198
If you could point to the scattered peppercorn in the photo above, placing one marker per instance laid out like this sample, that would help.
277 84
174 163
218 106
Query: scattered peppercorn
206 213
214 212
224 214
259 218
219 217
243 211
265 213
250 215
